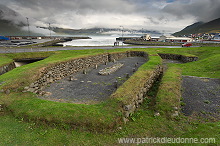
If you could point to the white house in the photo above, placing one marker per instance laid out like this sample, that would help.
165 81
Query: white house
175 39
146 37
216 37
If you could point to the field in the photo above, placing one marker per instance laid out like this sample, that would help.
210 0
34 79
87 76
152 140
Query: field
17 129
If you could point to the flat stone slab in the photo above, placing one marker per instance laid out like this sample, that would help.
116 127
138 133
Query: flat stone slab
111 69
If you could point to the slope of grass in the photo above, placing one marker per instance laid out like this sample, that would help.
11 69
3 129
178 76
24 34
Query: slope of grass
143 124
98 117
169 93
5 60
208 67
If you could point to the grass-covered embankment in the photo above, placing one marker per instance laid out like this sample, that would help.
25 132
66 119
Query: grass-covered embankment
16 131
169 92
5 60
98 117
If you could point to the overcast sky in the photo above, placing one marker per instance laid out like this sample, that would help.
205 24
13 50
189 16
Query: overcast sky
162 15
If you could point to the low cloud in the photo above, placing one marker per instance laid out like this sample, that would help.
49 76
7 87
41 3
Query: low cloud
162 15
202 10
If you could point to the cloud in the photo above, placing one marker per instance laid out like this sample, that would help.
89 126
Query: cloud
162 15
12 16
202 10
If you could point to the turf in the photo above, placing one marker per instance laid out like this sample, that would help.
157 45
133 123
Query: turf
14 130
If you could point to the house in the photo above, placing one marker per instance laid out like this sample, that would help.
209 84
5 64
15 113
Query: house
175 39
146 37
216 37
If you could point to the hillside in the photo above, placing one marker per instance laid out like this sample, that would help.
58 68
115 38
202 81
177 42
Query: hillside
201 27
96 31
13 23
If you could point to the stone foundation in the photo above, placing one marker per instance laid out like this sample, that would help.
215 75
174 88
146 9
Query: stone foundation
60 70
178 57
137 98
7 68
111 69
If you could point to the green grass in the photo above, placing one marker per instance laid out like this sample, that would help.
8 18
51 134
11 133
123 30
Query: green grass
16 131
131 87
98 117
169 93
207 67
21 131
4 60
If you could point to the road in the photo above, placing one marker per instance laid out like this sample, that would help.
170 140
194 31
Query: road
42 49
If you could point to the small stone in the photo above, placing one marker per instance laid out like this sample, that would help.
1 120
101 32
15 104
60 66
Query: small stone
32 85
116 84
156 114
127 107
71 78
48 94
119 128
176 113
31 90
175 108
127 75
134 69
125 120
26 88
7 91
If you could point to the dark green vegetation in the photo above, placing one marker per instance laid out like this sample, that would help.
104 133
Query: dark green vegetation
201 27
27 126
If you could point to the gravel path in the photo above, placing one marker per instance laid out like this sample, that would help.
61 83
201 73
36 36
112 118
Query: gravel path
201 96
91 87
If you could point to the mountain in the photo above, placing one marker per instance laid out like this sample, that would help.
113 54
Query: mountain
201 27
96 31
9 23
12 23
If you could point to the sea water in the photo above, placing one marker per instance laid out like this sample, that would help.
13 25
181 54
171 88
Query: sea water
104 40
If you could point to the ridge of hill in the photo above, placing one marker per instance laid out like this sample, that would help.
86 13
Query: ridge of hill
201 27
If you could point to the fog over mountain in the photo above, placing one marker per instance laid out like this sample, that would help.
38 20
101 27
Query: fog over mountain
166 16
13 23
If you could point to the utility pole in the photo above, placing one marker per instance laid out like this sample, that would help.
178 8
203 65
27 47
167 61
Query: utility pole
28 27
50 30
122 34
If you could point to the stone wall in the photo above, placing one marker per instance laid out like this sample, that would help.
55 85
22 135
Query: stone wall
1 108
137 97
60 70
7 68
178 57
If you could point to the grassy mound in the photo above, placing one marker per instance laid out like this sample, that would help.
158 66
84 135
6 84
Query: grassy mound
143 123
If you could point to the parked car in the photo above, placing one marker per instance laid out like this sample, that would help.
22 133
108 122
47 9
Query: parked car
186 44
